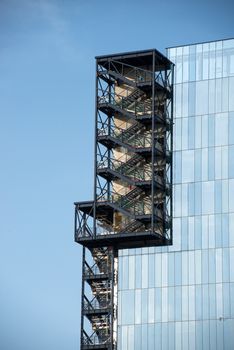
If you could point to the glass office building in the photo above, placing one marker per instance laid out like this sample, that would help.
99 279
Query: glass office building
182 296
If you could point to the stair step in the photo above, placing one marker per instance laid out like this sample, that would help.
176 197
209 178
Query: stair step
131 227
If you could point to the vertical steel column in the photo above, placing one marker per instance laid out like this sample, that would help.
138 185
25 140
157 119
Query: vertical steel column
95 152
82 299
153 140
171 159
112 297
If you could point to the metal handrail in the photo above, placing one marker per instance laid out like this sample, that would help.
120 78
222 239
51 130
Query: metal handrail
135 140
96 340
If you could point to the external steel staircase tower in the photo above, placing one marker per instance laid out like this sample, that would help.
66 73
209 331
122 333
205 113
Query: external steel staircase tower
132 204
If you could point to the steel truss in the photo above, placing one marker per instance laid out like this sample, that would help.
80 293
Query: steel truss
132 204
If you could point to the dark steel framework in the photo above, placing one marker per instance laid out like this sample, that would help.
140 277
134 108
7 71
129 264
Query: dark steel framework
132 204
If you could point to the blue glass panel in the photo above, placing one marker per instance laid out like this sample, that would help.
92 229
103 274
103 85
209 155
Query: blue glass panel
131 272
211 163
171 335
185 304
218 163
178 336
191 133
198 232
144 338
205 61
145 271
218 196
158 304
205 265
125 273
177 269
226 265
229 334
231 230
198 302
184 200
199 62
212 265
185 340
138 339
131 345
218 95
171 269
191 335
219 328
198 164
212 301
184 232
198 265
164 269
205 302
187 166
212 61
231 264
219 265
199 335
218 231
151 336
219 300
151 270
226 301
211 231
212 334
191 293
144 303
164 304
128 303
178 303
208 197
185 101
151 308
178 167
192 99
171 304
198 132
211 96
205 232
232 299
158 270
191 267
184 268
192 62
137 271
191 233
231 128
211 130
158 335
221 129
198 198
231 94
191 198
206 335
202 97
184 136
124 337
164 336
185 63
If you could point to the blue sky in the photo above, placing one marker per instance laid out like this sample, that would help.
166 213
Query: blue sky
47 73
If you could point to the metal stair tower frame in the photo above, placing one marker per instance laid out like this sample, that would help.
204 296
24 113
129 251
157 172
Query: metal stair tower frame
134 99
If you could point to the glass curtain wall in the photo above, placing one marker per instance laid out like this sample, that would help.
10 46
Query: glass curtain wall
182 296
